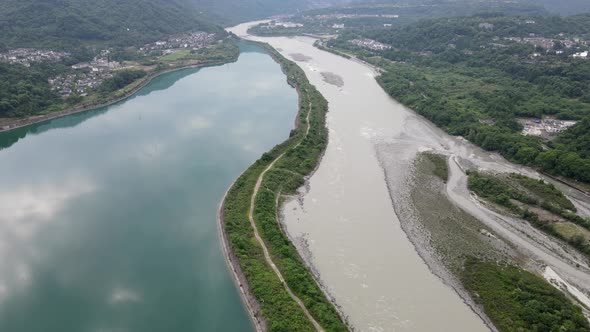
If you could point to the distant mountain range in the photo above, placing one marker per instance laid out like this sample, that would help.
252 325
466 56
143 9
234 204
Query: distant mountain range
69 23
564 7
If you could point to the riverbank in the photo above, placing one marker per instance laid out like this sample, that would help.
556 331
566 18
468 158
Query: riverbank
248 299
169 154
443 235
124 94
278 297
343 221
323 225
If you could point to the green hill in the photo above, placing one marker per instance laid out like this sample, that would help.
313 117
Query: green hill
67 23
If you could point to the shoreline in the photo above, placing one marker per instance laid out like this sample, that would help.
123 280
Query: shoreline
300 241
419 236
252 304
232 261
568 182
20 123
446 280
238 276
314 272
234 267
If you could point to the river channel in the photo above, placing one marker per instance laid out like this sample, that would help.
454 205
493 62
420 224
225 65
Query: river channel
108 217
347 222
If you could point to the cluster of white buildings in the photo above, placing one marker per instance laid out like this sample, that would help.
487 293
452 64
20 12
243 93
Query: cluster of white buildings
282 24
544 127
88 76
26 56
370 44
549 43
194 40
99 64
78 83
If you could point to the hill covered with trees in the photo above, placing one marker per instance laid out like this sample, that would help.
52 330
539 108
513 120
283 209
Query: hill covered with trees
69 23
481 76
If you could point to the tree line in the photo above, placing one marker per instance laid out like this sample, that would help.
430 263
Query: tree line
463 75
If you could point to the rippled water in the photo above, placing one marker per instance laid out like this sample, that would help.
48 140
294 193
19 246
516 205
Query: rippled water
346 227
346 222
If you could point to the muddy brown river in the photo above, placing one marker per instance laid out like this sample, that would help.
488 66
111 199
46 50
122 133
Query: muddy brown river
345 224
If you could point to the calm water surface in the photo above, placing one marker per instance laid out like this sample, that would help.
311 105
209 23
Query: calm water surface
108 218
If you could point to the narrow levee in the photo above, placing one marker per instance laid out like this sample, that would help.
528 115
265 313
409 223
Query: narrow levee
261 241
344 223
351 221
279 290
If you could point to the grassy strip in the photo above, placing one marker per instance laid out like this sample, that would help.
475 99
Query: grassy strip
502 190
441 169
513 299
516 300
545 191
279 310
321 46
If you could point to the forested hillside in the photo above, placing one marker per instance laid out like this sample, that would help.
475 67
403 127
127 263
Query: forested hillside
69 23
481 77
377 15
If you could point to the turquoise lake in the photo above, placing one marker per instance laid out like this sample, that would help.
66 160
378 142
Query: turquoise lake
108 217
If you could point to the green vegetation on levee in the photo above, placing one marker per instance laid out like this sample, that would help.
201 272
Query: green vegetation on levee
536 201
517 300
302 153
467 77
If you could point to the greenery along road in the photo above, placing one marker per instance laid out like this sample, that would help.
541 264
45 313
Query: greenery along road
281 171
540 203
261 241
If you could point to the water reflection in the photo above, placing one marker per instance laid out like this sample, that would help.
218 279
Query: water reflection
107 218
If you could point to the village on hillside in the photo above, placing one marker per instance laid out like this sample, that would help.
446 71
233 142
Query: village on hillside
89 75
26 56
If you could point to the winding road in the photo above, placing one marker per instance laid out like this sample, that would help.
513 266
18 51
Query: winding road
261 242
